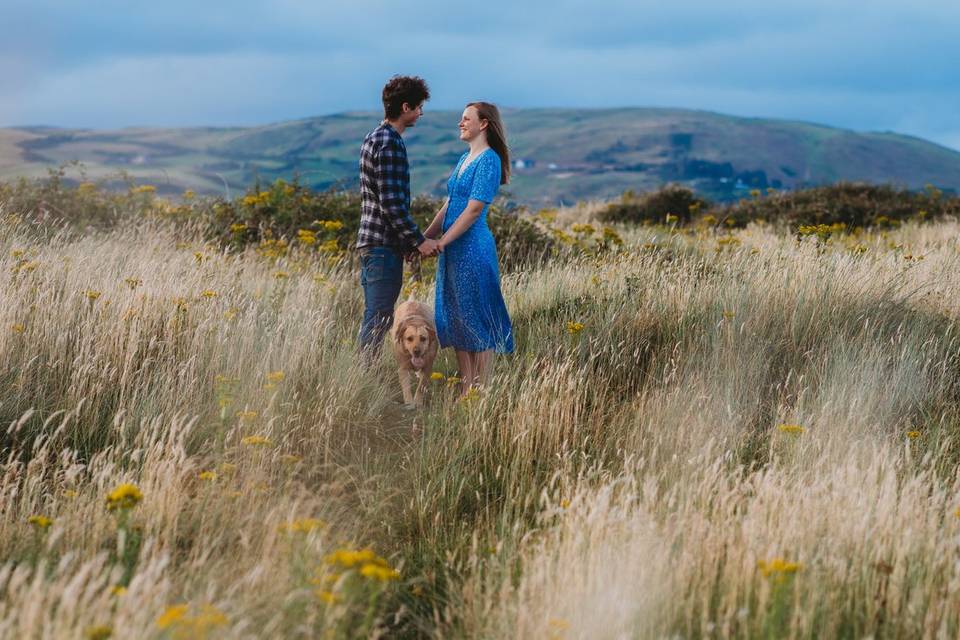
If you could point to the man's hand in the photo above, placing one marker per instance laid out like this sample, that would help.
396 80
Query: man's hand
428 248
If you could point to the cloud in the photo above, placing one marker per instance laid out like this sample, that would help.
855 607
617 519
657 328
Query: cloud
882 66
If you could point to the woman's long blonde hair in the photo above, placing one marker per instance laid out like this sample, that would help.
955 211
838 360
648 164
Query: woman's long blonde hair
496 135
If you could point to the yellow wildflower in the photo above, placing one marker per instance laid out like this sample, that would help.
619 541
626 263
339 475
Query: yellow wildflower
672 219
247 415
913 435
378 572
755 193
146 188
275 376
328 597
238 227
791 428
133 283
573 328
437 376
40 522
585 229
188 194
564 504
453 380
207 475
17 253
199 257
172 615
125 496
304 525
99 632
709 220
330 246
92 294
778 566
255 441
348 558
18 327
289 458
280 275
118 590
70 493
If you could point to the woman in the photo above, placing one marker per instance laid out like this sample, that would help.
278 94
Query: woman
470 313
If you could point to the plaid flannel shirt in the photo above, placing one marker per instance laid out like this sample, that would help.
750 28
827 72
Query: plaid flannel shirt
385 193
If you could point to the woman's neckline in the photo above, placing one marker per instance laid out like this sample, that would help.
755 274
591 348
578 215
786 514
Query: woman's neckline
465 164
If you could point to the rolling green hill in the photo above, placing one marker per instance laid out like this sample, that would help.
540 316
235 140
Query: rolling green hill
566 154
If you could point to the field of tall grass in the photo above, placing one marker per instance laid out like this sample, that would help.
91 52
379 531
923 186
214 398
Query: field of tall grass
742 433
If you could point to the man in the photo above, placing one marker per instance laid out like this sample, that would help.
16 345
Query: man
387 232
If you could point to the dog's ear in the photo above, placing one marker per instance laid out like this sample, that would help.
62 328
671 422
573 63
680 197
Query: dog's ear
400 330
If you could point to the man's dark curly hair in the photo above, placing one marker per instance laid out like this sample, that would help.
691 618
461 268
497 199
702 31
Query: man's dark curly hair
410 89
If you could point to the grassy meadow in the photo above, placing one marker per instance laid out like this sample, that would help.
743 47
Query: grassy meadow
704 433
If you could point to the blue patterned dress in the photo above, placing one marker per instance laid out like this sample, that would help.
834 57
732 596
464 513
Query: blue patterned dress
470 312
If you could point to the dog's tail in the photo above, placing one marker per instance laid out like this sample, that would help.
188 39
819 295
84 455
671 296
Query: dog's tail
416 277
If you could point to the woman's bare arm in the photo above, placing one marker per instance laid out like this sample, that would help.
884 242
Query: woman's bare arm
436 226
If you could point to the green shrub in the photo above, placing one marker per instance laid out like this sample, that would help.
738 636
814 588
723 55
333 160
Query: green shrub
850 204
680 203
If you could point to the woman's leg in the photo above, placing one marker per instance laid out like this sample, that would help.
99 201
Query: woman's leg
467 372
484 367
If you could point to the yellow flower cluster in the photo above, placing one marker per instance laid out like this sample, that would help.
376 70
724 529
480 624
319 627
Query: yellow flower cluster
307 237
146 188
794 429
254 199
778 567
238 227
913 435
257 441
368 563
18 327
125 496
208 475
329 225
303 525
181 624
40 522
610 235
436 376
99 632
822 231
586 229
573 328
275 376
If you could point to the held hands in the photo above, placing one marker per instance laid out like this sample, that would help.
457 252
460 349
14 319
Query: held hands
429 248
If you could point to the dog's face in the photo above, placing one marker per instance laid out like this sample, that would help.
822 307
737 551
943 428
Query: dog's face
415 340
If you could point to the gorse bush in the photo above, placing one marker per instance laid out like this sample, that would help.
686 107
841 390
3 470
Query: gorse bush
671 204
850 204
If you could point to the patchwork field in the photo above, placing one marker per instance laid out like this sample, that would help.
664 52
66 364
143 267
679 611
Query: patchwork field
703 433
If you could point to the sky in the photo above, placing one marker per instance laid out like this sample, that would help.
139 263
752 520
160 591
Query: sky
882 65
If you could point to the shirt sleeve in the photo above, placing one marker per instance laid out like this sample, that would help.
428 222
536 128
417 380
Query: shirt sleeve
486 179
393 183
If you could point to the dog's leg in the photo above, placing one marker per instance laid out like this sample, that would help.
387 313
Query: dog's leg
421 386
405 385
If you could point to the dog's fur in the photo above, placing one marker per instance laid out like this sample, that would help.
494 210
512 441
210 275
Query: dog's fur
413 337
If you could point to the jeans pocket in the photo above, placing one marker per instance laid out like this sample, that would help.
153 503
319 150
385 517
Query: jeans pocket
373 267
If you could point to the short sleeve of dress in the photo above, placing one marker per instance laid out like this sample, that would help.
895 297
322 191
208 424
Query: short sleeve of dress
486 179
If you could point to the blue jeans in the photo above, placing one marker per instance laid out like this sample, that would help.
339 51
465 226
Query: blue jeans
381 276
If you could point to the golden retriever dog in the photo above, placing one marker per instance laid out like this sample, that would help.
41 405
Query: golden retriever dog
414 339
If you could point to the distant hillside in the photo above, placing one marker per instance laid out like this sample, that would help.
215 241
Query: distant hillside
562 155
